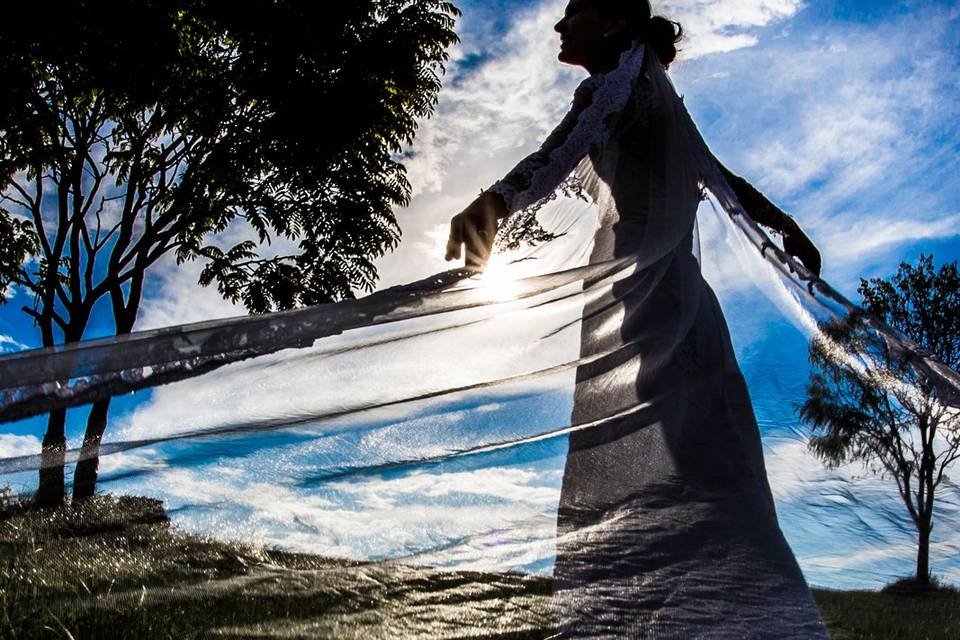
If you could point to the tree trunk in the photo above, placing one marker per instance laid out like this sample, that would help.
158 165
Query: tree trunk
85 476
124 316
923 554
51 486
50 490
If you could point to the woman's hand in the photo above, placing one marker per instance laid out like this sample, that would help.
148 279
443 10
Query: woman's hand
797 244
476 227
762 211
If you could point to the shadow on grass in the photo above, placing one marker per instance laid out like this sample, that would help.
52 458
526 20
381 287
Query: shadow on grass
114 568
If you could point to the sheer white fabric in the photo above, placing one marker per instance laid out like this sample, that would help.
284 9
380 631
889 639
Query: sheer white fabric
577 411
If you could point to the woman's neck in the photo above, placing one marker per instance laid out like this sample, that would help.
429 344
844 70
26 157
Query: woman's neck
606 62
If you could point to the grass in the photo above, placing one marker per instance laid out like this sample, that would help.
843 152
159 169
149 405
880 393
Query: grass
114 568
910 614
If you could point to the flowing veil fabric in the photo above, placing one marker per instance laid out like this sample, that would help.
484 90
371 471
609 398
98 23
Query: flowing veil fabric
574 410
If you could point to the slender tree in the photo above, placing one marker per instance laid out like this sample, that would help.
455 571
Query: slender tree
131 130
867 403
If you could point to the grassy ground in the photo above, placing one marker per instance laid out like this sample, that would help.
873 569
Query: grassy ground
115 569
871 615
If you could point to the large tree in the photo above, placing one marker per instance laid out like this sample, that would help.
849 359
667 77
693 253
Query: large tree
131 130
868 402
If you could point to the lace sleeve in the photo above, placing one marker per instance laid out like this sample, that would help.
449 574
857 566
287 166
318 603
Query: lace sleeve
539 173
597 103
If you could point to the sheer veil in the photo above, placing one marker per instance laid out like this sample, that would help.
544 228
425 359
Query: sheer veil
37 381
424 424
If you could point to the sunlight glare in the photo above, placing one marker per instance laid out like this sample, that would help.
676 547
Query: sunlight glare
500 277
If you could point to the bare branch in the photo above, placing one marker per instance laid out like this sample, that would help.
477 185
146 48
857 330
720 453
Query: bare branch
30 203
39 317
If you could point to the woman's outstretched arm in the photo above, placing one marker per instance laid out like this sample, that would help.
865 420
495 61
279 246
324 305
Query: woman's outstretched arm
534 177
764 212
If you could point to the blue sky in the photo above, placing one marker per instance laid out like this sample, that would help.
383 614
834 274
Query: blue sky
846 114
843 113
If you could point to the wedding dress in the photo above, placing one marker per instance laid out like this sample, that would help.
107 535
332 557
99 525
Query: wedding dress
666 525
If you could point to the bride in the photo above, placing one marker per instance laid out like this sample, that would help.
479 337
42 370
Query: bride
666 525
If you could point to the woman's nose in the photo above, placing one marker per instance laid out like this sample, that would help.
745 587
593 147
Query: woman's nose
560 25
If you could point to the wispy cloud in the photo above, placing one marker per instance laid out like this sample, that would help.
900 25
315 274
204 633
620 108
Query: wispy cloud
867 236
12 446
715 26
846 124
173 297
8 344
450 517
493 113
849 527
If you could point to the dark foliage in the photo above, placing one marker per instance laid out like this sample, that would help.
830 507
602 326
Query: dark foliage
283 115
135 129
922 303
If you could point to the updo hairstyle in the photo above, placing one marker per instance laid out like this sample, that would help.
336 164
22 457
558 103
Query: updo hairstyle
659 33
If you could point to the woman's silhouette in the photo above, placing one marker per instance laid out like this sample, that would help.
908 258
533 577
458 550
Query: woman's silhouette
666 526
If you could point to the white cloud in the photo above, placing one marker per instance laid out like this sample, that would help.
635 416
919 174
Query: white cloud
13 446
793 469
717 26
420 516
515 484
491 115
8 344
125 461
849 527
173 297
848 126
867 236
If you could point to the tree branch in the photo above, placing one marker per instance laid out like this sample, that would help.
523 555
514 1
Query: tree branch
39 317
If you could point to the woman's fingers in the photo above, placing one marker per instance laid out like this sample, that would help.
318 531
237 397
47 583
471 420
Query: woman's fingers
799 246
490 227
455 239
477 248
476 228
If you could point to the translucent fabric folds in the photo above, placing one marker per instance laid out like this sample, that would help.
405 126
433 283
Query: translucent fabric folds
576 410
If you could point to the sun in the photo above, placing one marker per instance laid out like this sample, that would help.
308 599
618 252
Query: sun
500 278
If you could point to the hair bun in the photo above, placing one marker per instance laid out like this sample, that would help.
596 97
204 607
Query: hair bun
662 36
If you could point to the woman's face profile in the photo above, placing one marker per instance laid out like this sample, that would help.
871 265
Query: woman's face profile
582 30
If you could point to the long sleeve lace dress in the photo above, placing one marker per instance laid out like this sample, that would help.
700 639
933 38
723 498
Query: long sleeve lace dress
666 525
